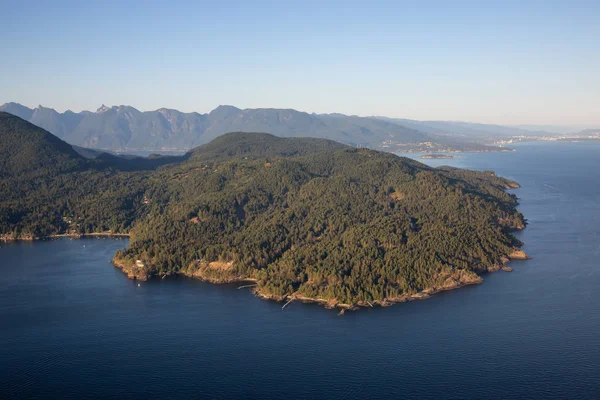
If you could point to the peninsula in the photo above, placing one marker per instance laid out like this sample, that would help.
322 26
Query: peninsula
303 219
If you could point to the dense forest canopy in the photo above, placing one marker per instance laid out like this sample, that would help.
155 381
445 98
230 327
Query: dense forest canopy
303 217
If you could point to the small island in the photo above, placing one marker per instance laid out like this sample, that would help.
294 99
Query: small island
437 156
294 219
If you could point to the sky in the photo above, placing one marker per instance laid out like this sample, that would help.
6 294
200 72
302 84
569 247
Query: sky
505 62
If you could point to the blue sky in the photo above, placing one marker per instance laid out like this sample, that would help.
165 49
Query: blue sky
512 62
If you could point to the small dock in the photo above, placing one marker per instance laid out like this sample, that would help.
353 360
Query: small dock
285 305
247 286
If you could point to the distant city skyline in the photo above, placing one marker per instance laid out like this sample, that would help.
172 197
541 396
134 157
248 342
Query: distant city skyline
504 63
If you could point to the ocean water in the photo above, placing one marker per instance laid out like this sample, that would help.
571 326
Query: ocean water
73 326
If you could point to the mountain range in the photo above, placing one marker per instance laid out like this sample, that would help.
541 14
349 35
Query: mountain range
124 128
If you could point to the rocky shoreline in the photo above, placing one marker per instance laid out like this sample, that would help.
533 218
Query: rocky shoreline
453 281
30 238
222 273
206 273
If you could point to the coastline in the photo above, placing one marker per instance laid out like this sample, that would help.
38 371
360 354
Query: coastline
80 235
222 273
456 280
465 278
28 238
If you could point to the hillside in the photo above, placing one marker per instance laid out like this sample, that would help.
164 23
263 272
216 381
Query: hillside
303 218
260 145
125 128
33 150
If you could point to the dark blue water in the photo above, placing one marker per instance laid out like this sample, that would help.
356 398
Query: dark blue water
146 153
72 326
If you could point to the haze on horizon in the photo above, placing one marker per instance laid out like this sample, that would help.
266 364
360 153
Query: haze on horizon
503 63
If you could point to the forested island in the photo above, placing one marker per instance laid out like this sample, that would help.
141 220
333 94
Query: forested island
437 156
302 218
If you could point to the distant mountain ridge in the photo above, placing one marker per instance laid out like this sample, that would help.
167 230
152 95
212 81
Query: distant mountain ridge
468 130
124 128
